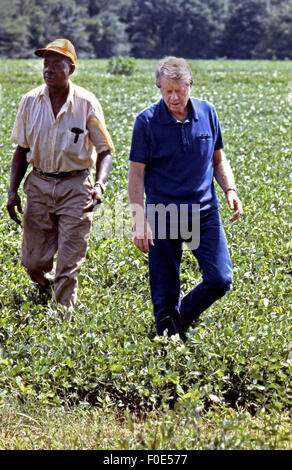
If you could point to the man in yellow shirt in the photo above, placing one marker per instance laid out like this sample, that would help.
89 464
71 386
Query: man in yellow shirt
60 131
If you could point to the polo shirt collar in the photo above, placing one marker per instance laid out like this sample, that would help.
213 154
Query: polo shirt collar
192 110
165 117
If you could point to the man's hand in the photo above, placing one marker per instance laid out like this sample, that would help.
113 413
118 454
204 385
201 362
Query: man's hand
234 204
14 201
96 199
143 236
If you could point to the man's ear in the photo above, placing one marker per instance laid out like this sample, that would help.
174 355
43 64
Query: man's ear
72 69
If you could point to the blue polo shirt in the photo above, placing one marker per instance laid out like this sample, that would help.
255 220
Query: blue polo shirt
178 156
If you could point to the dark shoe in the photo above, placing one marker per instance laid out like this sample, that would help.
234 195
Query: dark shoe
46 288
183 336
183 327
174 328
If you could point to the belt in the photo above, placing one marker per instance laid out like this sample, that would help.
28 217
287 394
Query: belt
63 174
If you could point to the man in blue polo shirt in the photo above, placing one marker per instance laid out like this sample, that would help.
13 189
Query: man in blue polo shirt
176 152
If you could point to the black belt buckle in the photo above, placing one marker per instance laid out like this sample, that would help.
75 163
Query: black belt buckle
63 174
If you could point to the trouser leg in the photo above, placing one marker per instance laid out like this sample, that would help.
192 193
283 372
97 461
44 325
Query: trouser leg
72 246
72 197
39 241
164 266
216 267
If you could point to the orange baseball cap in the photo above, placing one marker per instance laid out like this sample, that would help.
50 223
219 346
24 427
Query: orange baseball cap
61 46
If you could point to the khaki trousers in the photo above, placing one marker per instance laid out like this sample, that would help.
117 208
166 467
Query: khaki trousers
54 221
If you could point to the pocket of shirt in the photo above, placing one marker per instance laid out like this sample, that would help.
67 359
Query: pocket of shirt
75 141
204 145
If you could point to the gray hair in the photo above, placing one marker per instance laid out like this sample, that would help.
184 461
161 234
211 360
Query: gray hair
173 68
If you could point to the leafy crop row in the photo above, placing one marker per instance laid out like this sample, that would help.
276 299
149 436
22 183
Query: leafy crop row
239 353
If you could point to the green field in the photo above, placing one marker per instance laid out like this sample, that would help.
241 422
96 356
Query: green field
105 381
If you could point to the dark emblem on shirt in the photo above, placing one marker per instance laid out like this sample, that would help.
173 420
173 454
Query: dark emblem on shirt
77 132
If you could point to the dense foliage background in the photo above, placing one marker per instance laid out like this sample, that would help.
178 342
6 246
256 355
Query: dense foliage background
150 29
238 357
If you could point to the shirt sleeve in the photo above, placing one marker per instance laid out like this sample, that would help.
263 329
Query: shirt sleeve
98 132
219 144
140 147
18 135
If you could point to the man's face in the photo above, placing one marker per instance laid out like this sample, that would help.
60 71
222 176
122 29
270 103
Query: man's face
56 70
176 95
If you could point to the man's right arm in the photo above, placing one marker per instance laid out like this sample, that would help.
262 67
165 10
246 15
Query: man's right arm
142 232
18 170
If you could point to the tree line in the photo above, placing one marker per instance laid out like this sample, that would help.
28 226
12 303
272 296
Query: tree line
194 29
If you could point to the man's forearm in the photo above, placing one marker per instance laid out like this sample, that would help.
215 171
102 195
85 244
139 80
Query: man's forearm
142 233
224 177
103 166
136 190
18 168
223 174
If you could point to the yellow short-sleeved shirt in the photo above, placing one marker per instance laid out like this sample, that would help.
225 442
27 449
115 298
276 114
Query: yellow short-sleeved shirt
54 146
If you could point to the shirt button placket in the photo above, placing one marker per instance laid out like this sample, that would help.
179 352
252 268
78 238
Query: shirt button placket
184 137
53 145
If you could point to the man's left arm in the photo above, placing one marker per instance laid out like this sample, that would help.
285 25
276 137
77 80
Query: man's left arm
224 177
102 141
103 167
